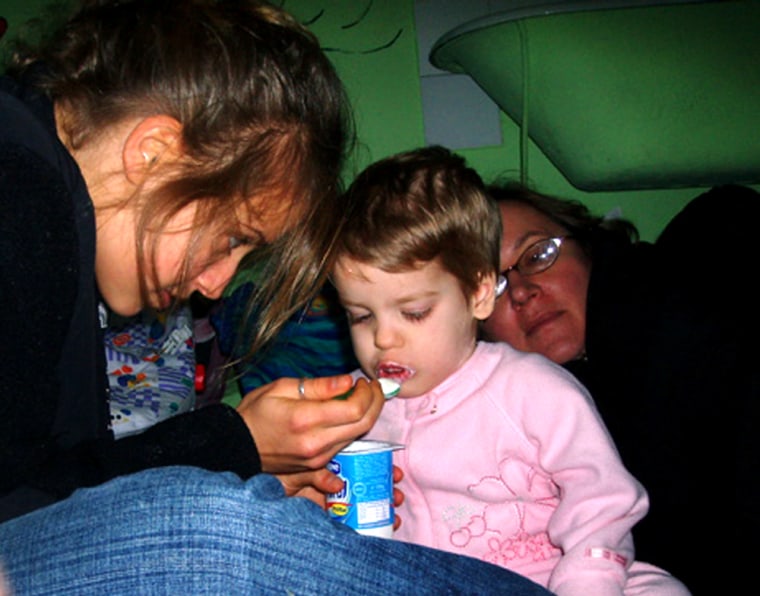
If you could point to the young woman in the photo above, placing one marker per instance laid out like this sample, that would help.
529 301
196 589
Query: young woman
143 153
136 172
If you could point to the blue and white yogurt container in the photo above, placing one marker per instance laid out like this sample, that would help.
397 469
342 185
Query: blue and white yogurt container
366 501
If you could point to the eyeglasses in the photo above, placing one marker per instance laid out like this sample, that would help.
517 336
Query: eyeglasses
538 257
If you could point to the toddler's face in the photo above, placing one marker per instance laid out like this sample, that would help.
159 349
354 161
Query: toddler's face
416 327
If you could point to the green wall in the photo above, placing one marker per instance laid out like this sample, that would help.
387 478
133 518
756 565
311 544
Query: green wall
384 88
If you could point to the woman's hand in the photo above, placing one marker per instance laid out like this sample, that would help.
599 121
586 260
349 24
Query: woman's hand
313 485
295 433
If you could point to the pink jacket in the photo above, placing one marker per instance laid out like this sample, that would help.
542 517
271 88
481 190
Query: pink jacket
508 461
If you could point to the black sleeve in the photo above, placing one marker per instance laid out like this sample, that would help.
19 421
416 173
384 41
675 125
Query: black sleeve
214 438
38 276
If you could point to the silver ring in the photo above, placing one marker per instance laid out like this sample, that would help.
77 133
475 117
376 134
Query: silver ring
301 388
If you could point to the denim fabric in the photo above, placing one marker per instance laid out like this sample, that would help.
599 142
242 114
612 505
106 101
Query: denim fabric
185 531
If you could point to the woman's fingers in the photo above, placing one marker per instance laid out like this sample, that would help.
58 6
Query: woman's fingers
313 485
323 387
294 434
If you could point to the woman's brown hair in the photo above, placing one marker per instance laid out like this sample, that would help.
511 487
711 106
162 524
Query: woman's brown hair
265 122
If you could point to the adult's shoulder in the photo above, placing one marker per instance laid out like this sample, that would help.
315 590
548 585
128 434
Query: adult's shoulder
25 115
722 213
712 235
28 131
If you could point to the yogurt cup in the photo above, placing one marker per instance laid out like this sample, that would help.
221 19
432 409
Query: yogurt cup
366 501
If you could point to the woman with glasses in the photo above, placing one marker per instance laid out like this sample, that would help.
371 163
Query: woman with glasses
653 330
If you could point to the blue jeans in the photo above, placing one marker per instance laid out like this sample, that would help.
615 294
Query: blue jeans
185 531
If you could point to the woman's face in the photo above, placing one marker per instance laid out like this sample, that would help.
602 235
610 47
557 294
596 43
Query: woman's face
544 312
214 263
118 161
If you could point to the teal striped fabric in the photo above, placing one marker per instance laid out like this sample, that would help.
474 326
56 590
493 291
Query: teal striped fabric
314 342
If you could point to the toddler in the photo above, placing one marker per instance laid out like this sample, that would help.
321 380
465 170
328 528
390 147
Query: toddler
506 458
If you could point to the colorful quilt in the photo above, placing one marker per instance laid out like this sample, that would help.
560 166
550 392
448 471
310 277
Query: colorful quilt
151 369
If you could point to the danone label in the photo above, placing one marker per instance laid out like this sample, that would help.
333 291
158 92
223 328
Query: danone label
366 501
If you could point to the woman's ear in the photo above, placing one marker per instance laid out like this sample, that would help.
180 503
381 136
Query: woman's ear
152 139
484 299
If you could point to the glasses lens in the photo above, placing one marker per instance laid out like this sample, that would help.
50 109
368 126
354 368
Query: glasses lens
539 257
